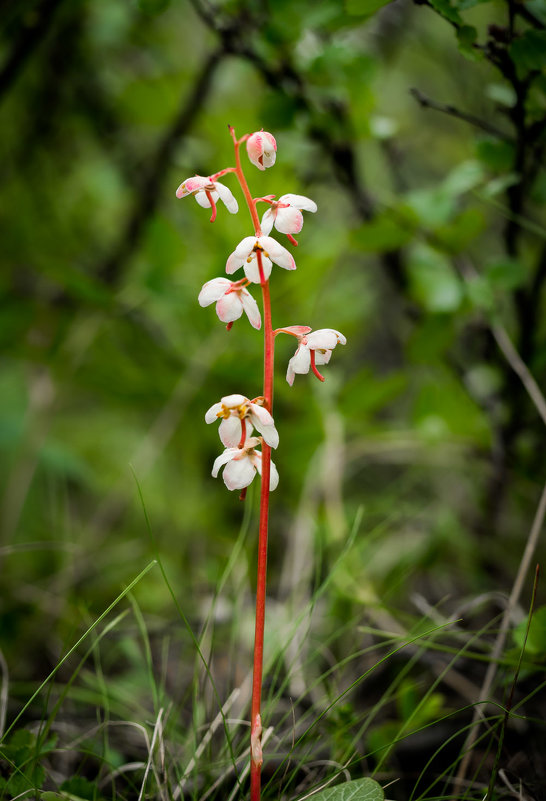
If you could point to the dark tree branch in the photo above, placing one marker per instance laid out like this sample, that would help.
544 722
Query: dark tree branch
148 195
29 39
452 111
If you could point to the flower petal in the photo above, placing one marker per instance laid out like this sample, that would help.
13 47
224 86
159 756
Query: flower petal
203 200
325 338
239 474
190 185
226 195
230 430
240 254
261 414
322 356
299 202
212 414
277 253
289 221
213 290
226 456
229 308
252 271
251 308
267 221
273 472
301 360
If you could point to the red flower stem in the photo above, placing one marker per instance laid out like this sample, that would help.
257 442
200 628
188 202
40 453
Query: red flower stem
314 367
256 757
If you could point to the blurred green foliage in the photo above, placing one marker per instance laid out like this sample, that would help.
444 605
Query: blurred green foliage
431 227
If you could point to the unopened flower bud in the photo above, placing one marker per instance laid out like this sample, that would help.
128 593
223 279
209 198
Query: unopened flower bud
262 149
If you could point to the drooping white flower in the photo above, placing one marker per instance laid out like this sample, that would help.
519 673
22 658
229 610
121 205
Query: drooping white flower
242 464
207 192
285 214
236 411
245 255
262 149
314 348
231 300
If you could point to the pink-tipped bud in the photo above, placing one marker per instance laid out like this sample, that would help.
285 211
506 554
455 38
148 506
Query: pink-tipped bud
262 149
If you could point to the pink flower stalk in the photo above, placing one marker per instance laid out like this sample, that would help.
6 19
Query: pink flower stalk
262 149
242 464
245 255
239 417
314 348
232 298
207 192
285 214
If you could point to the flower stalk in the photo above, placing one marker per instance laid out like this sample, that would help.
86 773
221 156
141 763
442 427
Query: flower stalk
240 416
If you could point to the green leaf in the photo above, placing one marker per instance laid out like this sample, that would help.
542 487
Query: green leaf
358 790
465 176
536 639
433 281
462 5
364 8
80 787
495 154
505 274
455 236
529 51
466 39
447 10
384 233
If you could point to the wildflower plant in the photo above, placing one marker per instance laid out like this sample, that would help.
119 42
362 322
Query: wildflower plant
247 429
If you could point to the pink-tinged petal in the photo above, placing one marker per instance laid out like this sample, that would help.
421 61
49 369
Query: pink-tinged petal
213 290
203 200
261 147
230 431
298 330
233 401
212 414
251 309
226 195
277 253
191 185
301 360
196 183
224 457
322 356
252 271
239 474
262 415
325 338
299 202
273 472
289 221
267 221
229 308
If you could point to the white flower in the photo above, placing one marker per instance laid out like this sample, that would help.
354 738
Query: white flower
285 214
261 148
239 416
231 300
241 466
245 255
314 348
207 192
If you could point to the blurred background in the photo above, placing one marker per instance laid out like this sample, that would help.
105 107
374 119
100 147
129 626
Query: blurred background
409 479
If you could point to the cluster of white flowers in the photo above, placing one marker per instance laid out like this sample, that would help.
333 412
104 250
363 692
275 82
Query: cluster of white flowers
256 254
